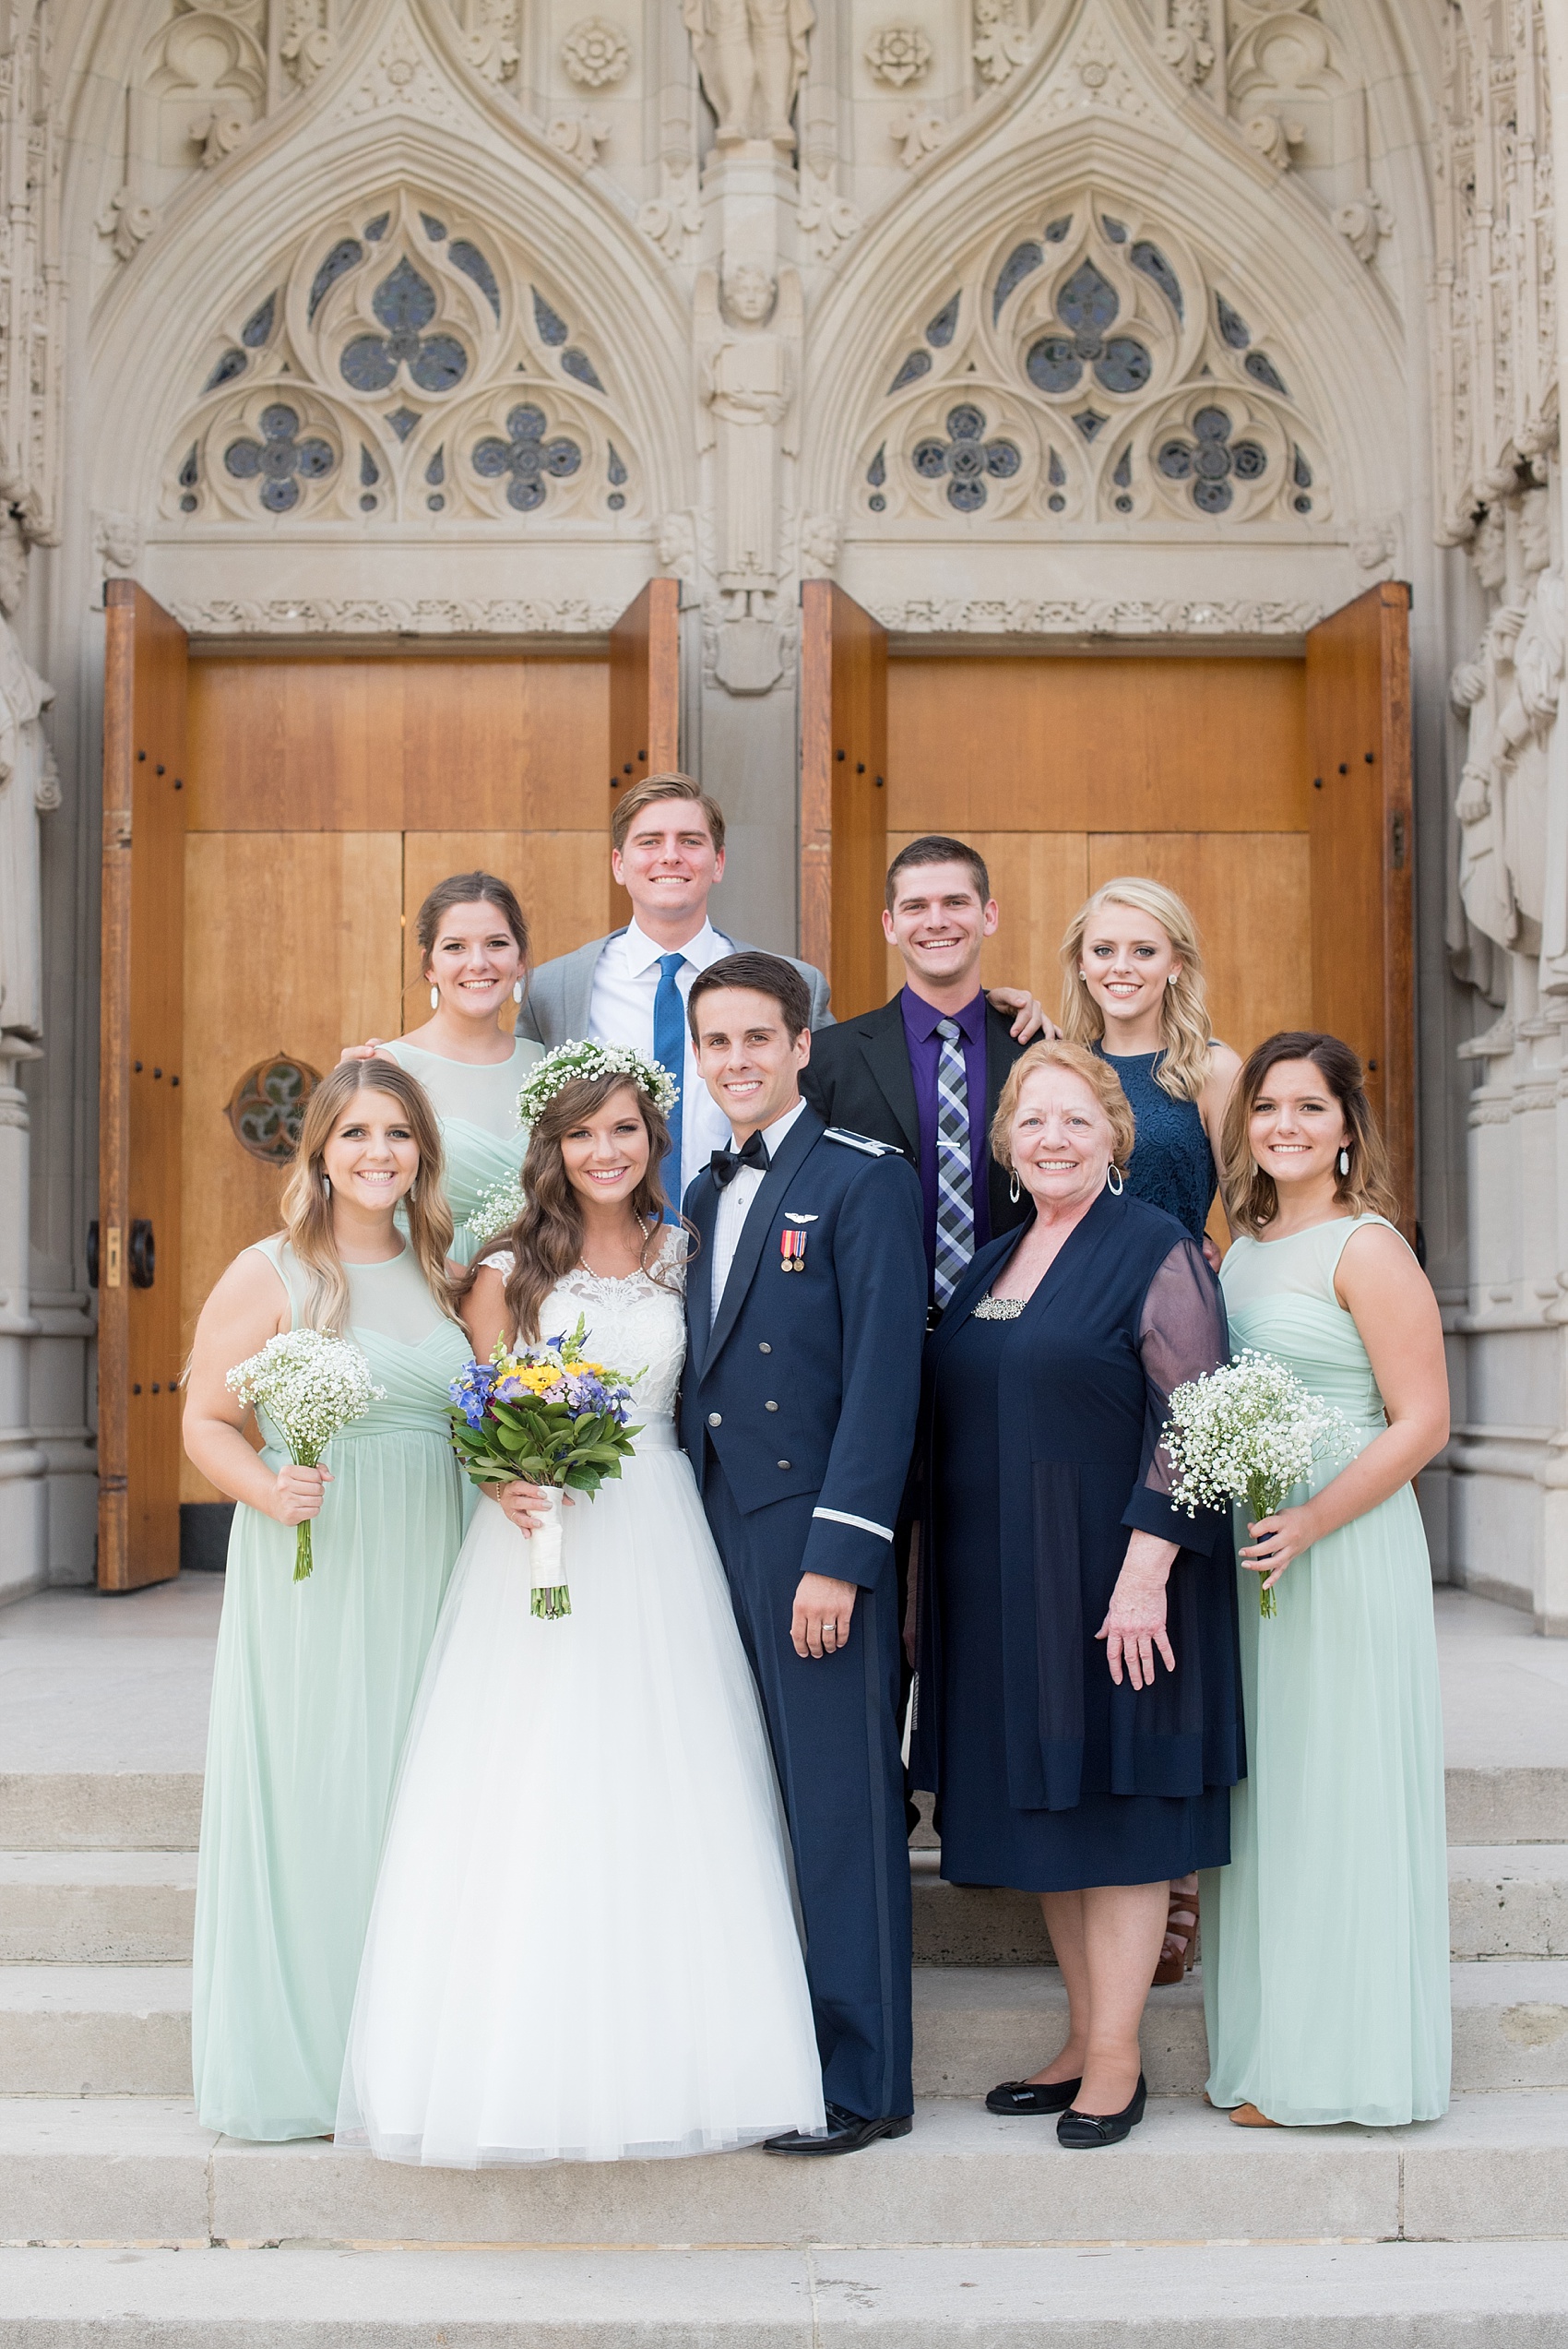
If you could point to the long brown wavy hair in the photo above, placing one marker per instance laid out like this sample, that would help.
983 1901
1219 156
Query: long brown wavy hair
307 1206
1251 1198
546 1241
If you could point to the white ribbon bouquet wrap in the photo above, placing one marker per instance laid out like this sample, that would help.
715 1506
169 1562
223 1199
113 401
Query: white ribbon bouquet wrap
551 1418
311 1385
1249 1432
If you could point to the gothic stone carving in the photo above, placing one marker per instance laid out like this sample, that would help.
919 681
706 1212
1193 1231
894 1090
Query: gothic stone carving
748 351
751 56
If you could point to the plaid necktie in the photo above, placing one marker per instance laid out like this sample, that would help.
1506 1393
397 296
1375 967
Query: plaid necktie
955 1185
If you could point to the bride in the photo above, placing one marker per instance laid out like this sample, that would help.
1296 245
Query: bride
585 1942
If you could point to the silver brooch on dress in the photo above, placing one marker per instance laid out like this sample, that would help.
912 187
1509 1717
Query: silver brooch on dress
998 1309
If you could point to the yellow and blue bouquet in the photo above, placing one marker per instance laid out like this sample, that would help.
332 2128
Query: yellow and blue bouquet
552 1418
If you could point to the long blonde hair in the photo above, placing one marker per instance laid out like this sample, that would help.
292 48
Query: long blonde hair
1184 1015
307 1206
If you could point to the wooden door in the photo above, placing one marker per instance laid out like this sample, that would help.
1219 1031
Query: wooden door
844 820
141 1099
1363 952
328 794
644 700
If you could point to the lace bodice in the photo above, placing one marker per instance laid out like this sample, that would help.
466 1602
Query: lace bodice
638 1324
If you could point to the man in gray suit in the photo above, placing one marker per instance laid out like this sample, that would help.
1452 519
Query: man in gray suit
667 851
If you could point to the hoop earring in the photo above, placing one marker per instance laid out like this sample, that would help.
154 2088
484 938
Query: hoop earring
436 998
516 991
1344 1163
1013 1187
1113 1182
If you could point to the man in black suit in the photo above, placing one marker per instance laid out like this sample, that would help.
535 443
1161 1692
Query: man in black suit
925 1072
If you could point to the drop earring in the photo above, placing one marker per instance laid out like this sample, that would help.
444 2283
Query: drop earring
1344 1163
327 1186
436 998
516 991
1013 1187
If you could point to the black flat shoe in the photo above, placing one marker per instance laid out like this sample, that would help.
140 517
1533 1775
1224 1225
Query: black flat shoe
1018 2096
846 2133
1080 2131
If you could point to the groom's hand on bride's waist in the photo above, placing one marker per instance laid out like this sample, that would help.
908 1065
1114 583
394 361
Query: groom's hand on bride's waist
821 1621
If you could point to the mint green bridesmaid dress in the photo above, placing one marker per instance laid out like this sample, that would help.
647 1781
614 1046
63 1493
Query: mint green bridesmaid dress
312 1690
477 1107
1325 1941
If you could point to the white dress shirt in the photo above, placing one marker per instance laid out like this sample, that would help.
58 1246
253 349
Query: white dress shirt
626 982
734 1202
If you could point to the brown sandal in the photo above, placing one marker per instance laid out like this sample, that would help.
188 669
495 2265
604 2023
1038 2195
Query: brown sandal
1249 2116
1181 1939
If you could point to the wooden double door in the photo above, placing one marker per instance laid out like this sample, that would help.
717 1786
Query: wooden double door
1273 793
272 822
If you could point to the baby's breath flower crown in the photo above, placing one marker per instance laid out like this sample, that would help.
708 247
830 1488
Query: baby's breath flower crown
569 1062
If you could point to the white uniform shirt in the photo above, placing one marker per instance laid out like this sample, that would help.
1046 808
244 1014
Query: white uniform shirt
734 1200
626 982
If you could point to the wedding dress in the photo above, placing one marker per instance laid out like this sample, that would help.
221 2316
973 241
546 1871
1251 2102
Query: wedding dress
585 1942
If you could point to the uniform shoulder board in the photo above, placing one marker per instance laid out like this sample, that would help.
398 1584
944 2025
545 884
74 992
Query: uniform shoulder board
861 1142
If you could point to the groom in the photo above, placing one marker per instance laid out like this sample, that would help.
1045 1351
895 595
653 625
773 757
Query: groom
805 1309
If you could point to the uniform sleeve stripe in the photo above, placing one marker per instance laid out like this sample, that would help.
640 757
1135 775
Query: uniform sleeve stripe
862 1524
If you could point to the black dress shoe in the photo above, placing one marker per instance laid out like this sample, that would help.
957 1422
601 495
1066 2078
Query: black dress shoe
1079 2131
846 2132
1032 2096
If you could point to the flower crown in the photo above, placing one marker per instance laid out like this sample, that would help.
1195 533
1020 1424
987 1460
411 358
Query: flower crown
570 1062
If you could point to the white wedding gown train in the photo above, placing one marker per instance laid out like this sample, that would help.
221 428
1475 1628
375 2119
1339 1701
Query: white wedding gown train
585 1943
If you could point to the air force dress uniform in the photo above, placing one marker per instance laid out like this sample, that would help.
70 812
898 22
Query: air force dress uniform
798 1415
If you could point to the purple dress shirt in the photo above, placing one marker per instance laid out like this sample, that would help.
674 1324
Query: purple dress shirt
925 1051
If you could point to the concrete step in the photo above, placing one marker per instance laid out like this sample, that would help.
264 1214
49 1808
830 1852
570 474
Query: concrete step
82 1908
141 2171
125 2031
136 1908
1372 2295
160 1811
1508 1900
104 1810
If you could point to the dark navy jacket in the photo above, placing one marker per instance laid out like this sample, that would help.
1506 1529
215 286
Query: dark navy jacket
809 1382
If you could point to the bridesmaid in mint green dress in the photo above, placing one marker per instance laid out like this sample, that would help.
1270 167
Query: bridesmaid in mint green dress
473 948
313 1681
1325 1941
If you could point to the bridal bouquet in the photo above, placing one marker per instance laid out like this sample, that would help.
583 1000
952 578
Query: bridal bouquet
1249 1432
551 1417
310 1386
498 1209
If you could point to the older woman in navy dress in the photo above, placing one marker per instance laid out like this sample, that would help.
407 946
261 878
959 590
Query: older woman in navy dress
1079 1714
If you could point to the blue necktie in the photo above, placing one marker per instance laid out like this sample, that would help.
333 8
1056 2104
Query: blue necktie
669 1050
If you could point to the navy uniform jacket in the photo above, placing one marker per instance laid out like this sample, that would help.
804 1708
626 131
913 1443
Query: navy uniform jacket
809 1382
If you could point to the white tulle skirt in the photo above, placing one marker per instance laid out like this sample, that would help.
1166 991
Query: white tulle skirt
585 1944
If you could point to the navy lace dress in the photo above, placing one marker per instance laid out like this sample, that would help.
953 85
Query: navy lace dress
1171 1165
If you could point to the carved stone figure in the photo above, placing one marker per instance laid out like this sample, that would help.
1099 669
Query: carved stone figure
751 56
748 362
28 784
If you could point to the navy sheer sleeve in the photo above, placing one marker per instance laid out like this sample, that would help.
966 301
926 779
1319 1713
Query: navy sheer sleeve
1181 1335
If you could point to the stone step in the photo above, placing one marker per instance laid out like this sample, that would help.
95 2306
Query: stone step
104 1810
1505 1901
81 1908
1508 1900
1369 2295
141 2171
136 1908
160 1811
125 2030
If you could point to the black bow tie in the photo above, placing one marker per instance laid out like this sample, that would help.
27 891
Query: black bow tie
727 1164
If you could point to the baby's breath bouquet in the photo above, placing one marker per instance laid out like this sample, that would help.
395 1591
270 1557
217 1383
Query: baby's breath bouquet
498 1209
551 1418
1250 1432
310 1386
